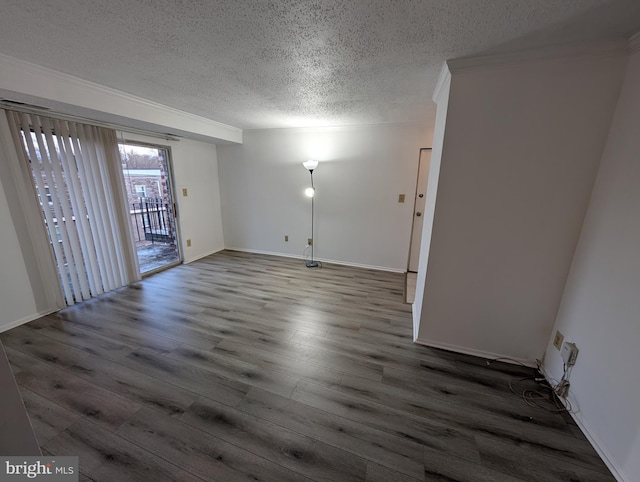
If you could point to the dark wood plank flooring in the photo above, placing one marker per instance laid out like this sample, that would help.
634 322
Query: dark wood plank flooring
250 367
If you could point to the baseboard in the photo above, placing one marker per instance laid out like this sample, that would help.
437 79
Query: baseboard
200 256
26 319
322 260
591 437
479 353
268 253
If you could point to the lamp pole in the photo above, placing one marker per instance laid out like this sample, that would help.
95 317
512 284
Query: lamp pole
310 166
312 263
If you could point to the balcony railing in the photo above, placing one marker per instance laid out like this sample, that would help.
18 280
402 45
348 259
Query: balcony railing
153 221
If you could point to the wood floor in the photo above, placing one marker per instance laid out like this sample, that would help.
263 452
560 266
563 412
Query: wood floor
249 367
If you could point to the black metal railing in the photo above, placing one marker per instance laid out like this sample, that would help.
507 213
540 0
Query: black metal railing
153 220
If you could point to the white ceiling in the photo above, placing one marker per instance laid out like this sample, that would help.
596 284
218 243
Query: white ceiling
289 63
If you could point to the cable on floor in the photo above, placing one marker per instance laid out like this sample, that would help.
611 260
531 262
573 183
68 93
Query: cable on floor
547 396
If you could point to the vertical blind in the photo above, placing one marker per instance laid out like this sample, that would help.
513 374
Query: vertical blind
77 178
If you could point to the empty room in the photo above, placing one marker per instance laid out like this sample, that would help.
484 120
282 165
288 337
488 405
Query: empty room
320 240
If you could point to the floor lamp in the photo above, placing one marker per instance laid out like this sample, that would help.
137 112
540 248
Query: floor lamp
310 192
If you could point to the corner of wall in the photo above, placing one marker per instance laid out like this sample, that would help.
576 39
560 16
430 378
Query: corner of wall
441 98
599 304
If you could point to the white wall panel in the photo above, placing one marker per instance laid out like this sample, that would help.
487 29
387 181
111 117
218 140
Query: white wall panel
600 309
362 171
522 144
16 295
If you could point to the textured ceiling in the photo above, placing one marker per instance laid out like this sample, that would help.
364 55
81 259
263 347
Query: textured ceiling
286 63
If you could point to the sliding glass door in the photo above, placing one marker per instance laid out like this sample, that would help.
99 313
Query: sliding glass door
74 169
107 209
147 177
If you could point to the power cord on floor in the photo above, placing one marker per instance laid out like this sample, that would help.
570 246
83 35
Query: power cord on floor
545 397
549 392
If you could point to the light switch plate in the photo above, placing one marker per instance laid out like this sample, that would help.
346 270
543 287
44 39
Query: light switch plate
557 340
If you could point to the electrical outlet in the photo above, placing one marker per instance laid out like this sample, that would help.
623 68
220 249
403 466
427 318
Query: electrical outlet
286 237
557 340
401 198
188 243
184 192
309 241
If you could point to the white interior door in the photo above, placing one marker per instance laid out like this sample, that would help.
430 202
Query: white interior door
418 209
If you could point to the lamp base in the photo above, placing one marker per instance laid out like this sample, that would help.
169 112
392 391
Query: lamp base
312 264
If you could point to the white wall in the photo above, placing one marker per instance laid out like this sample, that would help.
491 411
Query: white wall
521 147
600 309
16 297
195 167
361 173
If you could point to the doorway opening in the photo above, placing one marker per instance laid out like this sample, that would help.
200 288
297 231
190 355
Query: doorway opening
424 163
152 211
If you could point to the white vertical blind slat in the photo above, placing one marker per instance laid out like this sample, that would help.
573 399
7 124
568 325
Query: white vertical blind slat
100 206
41 185
60 197
95 252
45 279
81 167
119 259
114 249
129 256
49 291
82 265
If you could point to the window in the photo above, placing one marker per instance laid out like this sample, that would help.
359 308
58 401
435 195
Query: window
47 194
141 190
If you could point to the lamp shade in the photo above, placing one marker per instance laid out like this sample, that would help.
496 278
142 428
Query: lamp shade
309 192
310 165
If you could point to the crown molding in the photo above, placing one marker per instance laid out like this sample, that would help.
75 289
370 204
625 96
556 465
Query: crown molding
444 80
50 85
339 127
605 49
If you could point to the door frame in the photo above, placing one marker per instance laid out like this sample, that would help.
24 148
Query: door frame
174 197
415 200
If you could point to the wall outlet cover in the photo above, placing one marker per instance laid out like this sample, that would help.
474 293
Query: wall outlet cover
557 340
